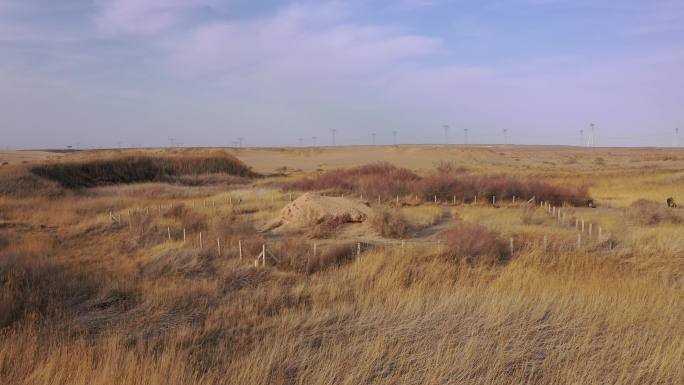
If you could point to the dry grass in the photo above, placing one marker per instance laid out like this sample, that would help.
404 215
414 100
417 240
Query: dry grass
87 300
389 224
190 169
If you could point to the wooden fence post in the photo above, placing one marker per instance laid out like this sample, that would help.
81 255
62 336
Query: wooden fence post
435 198
579 241
403 247
600 233
200 239
590 227
493 199
546 242
168 232
218 245
240 248
582 225
183 234
263 255
358 249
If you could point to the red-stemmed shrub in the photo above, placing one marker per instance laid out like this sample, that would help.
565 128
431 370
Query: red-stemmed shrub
471 242
388 181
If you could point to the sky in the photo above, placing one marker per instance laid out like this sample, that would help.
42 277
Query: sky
112 73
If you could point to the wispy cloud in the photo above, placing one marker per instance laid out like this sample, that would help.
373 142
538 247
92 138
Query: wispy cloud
299 43
144 16
236 68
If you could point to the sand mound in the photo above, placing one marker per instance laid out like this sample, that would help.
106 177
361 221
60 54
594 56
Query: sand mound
313 208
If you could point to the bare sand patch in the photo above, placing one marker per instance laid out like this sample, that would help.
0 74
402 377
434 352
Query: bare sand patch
310 209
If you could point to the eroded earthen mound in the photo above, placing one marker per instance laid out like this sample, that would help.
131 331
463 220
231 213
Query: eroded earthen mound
313 208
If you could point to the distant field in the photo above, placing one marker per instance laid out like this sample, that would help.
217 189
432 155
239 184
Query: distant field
15 157
346 265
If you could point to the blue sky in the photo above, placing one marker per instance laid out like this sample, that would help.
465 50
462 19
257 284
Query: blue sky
204 72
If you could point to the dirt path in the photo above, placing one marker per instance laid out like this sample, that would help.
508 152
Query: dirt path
445 221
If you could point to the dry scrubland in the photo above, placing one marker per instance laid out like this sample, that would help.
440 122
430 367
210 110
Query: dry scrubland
92 291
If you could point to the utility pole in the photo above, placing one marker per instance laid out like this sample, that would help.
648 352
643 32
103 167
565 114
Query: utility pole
313 140
240 142
676 138
582 144
446 134
465 136
593 134
394 134
373 135
505 133
333 132
171 141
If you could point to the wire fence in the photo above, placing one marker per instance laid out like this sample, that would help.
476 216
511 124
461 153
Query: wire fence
259 249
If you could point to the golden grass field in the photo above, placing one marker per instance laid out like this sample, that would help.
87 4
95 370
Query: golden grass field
98 287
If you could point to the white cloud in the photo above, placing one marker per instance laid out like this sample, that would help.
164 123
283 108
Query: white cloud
143 16
300 44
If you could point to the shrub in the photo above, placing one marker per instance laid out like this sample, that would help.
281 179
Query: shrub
390 224
472 243
503 187
18 185
647 212
133 169
383 179
332 255
191 220
375 179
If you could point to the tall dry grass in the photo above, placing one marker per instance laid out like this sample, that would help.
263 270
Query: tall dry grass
87 300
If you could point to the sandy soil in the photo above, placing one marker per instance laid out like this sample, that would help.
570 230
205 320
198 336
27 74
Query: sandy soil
313 208
15 157
476 158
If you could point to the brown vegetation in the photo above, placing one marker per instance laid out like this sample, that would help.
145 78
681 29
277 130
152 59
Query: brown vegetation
389 224
647 212
470 242
86 300
389 181
133 169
